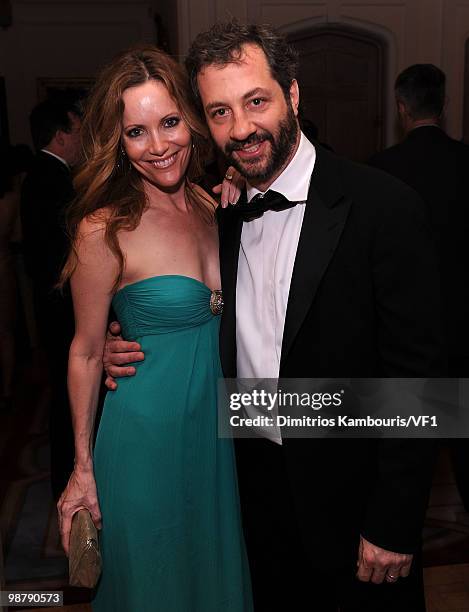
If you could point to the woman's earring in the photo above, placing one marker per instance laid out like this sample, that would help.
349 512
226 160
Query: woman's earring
121 159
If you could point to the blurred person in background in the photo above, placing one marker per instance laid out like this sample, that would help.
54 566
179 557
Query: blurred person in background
436 166
8 290
47 190
13 163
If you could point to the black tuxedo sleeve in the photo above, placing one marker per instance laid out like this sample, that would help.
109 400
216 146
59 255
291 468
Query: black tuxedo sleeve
44 198
407 293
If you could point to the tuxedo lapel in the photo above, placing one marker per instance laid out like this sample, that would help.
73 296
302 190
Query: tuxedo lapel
324 219
230 227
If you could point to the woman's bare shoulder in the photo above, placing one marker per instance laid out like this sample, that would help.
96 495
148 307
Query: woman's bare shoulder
95 223
92 246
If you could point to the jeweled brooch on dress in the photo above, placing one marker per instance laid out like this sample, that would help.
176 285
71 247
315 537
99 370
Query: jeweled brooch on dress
216 302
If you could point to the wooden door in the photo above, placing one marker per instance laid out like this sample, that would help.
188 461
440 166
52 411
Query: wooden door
341 80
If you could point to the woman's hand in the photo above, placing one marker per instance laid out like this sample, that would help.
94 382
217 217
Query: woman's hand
79 493
231 187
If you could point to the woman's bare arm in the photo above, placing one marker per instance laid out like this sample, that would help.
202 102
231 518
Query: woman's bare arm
91 286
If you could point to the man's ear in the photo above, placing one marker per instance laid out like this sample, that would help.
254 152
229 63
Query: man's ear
59 138
445 107
295 96
402 109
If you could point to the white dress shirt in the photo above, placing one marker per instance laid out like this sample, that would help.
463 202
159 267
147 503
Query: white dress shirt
265 266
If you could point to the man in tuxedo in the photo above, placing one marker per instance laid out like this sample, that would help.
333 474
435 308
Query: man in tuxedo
338 281
47 189
435 165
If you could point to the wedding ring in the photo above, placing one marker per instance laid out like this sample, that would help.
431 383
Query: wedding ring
391 578
229 177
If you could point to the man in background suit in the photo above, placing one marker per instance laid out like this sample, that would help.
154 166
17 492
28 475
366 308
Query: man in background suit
337 282
436 166
47 189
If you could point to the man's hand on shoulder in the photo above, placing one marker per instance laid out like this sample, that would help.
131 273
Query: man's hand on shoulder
376 564
118 353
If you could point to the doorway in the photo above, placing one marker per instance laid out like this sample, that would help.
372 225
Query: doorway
341 81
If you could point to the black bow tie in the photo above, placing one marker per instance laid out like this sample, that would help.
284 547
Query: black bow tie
270 200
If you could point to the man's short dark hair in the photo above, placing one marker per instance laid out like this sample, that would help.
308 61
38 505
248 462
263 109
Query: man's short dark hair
47 118
421 88
223 44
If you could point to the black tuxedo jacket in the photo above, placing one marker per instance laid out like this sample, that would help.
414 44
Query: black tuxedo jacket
436 166
46 191
362 303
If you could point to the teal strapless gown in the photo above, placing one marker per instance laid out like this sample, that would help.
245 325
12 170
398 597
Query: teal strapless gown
171 537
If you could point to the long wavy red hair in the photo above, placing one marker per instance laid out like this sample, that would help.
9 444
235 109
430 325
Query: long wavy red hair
104 178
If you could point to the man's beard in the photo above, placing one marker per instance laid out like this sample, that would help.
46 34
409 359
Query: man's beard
281 146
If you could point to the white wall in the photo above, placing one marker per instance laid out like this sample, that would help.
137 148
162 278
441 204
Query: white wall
64 38
416 31
73 38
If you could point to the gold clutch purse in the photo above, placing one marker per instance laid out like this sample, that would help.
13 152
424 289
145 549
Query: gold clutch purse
84 560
